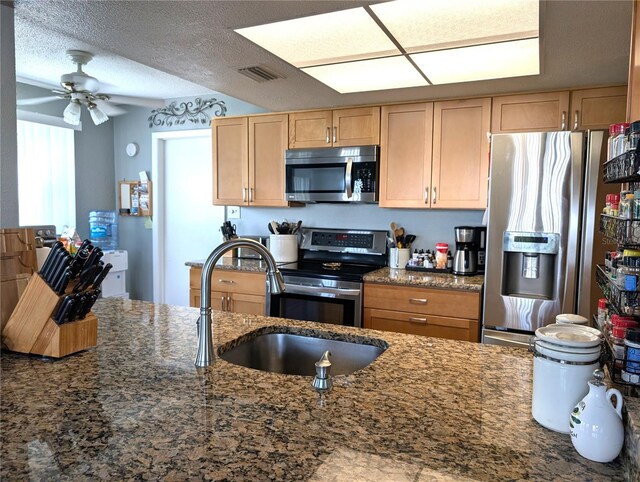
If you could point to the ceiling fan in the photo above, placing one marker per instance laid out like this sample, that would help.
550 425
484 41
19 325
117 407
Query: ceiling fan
82 89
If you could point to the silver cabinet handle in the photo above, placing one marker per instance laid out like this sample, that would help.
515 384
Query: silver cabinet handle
347 177
229 303
244 194
413 319
418 301
575 121
335 134
222 304
435 196
426 195
328 138
563 121
250 194
226 281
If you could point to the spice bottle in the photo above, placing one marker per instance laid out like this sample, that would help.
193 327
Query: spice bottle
631 371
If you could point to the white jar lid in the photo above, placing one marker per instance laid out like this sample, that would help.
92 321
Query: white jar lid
571 318
569 335
567 354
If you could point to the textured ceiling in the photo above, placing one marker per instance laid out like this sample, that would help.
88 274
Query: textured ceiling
169 49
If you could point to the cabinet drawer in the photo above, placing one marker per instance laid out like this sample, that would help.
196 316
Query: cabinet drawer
419 324
457 304
230 281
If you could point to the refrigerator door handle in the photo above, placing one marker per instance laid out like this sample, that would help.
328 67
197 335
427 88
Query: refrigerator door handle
569 299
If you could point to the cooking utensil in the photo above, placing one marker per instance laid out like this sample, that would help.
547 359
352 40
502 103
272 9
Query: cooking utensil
270 227
274 227
101 276
296 227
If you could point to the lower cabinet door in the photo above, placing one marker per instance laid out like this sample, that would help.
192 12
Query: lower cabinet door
217 298
420 324
243 303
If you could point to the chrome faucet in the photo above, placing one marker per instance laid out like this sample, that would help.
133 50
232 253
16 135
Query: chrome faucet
204 357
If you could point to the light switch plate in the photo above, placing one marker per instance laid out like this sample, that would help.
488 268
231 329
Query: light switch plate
233 212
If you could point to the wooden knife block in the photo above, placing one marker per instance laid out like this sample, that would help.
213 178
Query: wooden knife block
31 328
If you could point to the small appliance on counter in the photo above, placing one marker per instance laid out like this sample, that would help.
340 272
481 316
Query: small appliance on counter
248 253
465 261
115 284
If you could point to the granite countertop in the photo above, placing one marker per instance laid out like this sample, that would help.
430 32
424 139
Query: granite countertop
238 264
383 275
135 407
426 280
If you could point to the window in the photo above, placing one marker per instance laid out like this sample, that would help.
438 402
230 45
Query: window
46 175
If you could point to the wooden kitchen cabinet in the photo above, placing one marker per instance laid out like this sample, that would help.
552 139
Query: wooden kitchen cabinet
406 145
546 111
248 160
232 291
435 154
460 168
598 108
422 311
358 126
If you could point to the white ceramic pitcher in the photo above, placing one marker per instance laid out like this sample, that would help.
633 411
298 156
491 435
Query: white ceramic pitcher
596 426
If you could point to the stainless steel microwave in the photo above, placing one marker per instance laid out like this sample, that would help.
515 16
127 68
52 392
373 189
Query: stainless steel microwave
333 174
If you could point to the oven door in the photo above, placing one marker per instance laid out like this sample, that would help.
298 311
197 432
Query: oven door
323 301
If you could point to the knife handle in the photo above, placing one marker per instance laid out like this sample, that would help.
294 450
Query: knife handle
63 309
47 262
61 286
101 276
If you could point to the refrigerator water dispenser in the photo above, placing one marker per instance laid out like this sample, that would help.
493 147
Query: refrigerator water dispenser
529 264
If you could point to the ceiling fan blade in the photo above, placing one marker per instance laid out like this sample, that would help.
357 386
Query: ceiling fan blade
37 100
139 101
109 109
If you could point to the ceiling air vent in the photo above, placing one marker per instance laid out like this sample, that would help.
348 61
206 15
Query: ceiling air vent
259 73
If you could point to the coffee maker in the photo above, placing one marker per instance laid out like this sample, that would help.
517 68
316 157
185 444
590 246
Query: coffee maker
465 261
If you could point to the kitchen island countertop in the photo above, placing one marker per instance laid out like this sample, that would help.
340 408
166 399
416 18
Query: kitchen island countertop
135 407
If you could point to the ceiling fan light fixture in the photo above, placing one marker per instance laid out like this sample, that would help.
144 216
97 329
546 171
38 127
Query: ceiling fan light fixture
96 114
71 113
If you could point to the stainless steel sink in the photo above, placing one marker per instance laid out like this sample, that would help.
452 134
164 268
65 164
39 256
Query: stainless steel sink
296 353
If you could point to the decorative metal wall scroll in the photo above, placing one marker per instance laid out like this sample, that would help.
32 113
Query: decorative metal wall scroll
186 111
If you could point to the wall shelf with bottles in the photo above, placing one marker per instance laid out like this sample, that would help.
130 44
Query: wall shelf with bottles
624 168
621 301
621 231
135 198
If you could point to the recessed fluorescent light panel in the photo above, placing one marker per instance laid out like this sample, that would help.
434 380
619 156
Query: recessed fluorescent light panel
481 62
421 25
366 75
421 42
323 39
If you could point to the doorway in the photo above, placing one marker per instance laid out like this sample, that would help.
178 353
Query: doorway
186 222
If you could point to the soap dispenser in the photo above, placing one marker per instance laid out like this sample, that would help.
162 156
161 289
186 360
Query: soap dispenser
597 432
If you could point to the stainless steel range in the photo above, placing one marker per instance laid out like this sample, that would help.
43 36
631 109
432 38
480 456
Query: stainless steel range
325 285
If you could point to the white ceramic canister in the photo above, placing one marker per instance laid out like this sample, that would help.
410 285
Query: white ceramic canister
564 359
284 247
597 432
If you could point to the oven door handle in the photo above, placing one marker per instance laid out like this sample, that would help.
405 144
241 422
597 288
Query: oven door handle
320 291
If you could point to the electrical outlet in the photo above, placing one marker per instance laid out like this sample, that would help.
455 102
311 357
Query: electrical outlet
233 212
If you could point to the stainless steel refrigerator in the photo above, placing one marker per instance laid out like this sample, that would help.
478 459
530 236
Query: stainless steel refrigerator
543 239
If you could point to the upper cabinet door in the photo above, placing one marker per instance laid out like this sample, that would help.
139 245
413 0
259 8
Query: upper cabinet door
267 143
405 155
598 108
460 169
356 127
548 111
230 160
310 129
